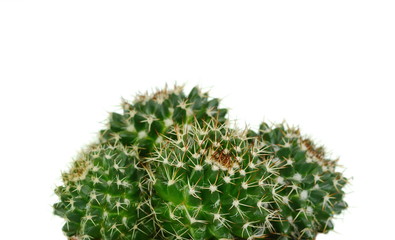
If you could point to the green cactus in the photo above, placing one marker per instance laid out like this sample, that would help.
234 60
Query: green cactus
210 182
310 182
170 167
104 195
150 116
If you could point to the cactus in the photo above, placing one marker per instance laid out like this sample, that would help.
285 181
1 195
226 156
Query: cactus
212 183
311 187
103 196
150 116
171 167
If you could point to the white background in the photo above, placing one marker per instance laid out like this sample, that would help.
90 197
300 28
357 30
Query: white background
325 66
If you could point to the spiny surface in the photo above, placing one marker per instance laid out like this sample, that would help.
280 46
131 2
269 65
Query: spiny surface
169 168
311 188
213 182
150 116
210 182
103 196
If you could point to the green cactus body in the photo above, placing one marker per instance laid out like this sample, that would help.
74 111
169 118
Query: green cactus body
103 196
170 167
311 188
150 116
207 185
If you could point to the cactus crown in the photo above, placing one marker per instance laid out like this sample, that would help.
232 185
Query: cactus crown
171 167
145 120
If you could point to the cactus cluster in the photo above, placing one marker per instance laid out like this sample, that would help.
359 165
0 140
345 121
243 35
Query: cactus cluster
171 167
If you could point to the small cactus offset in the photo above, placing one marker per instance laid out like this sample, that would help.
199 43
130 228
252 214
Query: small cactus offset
309 181
103 196
171 167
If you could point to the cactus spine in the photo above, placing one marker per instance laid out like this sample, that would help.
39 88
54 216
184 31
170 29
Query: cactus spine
171 167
